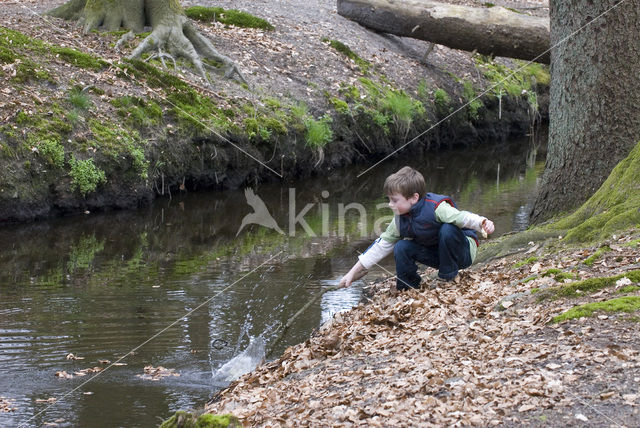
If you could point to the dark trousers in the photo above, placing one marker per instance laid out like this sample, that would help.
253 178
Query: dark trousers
451 253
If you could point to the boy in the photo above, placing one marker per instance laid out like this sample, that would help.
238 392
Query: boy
427 228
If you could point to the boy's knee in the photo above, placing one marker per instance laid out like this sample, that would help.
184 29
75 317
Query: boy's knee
448 231
401 247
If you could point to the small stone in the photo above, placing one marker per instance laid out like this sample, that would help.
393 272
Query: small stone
582 417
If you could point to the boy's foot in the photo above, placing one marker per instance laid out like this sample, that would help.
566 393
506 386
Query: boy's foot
440 283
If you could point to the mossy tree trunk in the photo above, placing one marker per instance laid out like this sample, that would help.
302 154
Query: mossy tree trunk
595 94
171 29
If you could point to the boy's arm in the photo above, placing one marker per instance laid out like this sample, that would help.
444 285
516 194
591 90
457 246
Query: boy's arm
445 213
381 247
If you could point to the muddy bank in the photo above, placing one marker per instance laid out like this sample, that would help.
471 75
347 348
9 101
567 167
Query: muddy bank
85 130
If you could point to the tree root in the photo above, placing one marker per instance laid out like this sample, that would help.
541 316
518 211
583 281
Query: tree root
124 39
180 38
162 56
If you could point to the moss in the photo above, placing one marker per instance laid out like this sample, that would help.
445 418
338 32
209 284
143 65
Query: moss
526 262
538 71
442 101
612 208
49 122
182 419
629 289
621 304
7 56
28 70
350 92
474 104
346 51
374 90
559 275
516 83
590 285
233 17
79 59
154 76
589 261
85 176
564 275
634 243
340 106
535 290
194 112
11 40
120 145
138 112
52 151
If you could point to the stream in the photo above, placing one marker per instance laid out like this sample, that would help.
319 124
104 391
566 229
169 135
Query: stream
81 292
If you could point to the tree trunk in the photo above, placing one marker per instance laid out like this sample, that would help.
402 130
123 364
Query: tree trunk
594 99
488 30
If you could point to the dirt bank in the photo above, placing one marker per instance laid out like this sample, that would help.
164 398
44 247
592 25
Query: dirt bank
84 130
488 350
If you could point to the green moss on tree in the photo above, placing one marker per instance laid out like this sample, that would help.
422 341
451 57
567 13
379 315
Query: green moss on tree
615 206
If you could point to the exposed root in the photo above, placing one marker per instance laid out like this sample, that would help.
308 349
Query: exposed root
162 56
124 39
180 38
320 153
208 51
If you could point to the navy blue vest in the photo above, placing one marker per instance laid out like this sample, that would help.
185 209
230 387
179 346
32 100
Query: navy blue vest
420 222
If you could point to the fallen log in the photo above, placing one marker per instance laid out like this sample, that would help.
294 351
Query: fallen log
492 31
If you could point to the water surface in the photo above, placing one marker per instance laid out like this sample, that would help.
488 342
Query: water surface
100 285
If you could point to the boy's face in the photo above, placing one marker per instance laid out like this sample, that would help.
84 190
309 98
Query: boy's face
401 205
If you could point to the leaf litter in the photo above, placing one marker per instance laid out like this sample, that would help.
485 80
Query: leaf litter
453 357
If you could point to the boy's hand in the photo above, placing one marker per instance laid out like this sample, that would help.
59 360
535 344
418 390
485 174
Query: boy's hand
346 281
356 272
488 227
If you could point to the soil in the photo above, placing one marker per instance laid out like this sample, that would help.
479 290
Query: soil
482 351
291 63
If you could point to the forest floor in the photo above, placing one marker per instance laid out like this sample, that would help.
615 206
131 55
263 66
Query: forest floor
484 351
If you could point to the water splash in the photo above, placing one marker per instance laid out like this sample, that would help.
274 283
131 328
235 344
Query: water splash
242 363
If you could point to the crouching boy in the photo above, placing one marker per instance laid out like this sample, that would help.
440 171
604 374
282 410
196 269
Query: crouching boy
427 228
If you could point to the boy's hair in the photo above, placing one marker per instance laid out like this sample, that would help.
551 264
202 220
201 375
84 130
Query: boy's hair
406 181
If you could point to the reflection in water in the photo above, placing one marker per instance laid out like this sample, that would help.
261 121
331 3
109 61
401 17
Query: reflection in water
98 286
